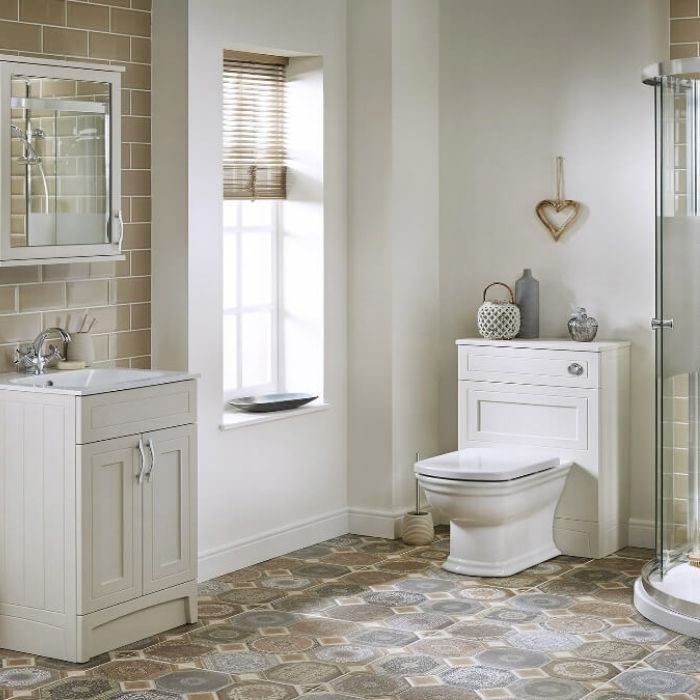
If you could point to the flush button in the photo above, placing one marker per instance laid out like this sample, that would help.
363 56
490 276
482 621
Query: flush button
576 369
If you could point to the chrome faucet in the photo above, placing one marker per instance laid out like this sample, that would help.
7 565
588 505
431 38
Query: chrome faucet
29 357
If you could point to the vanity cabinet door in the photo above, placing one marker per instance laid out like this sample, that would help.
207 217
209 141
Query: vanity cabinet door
169 508
110 523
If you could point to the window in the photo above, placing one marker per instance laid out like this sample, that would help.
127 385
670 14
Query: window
254 183
273 225
252 328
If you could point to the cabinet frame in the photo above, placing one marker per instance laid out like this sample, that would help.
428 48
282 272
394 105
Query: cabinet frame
54 615
34 255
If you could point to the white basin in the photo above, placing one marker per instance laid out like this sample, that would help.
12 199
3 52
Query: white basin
88 381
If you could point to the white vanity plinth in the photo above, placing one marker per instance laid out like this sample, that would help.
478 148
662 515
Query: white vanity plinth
565 397
97 510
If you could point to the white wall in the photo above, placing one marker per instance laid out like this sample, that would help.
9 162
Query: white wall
369 258
520 83
514 84
271 487
393 254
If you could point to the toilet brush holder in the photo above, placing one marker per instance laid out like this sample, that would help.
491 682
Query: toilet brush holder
417 527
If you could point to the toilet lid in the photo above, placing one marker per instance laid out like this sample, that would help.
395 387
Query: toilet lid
486 464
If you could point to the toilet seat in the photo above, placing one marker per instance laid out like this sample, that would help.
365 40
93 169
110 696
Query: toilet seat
487 464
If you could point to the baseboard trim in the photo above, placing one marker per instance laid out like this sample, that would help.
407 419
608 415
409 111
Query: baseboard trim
641 533
273 543
375 523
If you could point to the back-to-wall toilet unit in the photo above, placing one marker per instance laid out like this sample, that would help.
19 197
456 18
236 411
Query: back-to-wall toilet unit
542 464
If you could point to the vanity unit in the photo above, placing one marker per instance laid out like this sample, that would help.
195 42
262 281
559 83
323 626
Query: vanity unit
60 161
97 509
569 399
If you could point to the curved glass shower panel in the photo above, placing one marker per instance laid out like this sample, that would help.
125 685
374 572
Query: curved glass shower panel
678 235
672 579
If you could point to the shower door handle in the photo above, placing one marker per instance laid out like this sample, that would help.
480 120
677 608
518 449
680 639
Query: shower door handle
120 221
661 323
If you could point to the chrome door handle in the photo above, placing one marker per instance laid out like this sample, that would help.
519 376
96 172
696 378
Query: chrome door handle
120 221
661 323
149 444
139 476
576 369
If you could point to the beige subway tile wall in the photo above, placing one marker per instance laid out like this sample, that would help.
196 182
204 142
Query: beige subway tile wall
685 28
115 294
684 37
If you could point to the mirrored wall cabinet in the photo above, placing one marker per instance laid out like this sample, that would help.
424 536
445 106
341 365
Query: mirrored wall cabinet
60 170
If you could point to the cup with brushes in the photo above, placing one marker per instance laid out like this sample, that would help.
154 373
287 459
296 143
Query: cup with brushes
80 352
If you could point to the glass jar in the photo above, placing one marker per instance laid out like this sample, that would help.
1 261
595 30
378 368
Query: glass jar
582 328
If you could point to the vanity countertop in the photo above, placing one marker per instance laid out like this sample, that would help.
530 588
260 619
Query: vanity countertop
83 382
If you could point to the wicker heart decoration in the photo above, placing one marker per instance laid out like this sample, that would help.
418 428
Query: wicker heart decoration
558 205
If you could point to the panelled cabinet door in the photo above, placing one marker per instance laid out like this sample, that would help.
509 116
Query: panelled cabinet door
110 517
169 508
552 417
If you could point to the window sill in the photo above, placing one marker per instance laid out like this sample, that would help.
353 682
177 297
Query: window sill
239 419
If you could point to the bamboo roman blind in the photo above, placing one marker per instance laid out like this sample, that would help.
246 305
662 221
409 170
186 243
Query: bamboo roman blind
254 126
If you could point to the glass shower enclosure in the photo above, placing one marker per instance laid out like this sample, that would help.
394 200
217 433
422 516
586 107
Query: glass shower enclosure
668 590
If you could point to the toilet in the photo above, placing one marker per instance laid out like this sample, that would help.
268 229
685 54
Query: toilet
542 466
500 501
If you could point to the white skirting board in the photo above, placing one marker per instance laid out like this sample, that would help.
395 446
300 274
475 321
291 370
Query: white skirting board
375 523
641 533
273 543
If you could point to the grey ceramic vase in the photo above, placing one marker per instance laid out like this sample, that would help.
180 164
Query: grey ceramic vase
527 298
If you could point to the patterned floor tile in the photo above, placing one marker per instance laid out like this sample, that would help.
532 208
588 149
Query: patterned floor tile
257 690
478 677
345 654
303 673
142 695
408 665
193 681
133 670
25 677
238 662
79 688
581 670
540 688
612 651
438 693
510 658
654 682
369 685
178 651
360 617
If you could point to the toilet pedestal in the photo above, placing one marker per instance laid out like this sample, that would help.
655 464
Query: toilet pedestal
498 546
497 528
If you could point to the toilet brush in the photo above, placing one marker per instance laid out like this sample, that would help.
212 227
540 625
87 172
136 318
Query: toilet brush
417 512
417 527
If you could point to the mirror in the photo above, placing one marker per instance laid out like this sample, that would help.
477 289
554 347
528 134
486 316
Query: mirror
60 170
